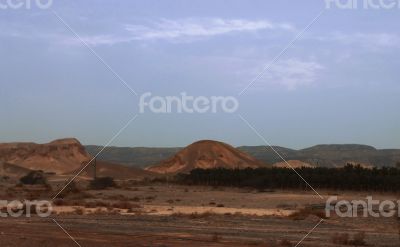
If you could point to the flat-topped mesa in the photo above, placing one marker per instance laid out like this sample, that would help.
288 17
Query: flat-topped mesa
59 156
206 154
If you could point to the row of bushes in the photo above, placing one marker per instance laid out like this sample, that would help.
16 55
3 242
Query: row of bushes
347 178
39 178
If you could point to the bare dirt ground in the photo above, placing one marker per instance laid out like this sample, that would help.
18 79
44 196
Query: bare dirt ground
161 215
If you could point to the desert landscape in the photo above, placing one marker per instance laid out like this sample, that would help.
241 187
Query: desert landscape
204 123
150 207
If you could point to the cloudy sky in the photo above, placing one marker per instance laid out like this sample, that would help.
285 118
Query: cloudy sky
336 81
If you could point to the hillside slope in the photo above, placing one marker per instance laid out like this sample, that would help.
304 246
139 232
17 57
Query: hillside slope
206 154
59 156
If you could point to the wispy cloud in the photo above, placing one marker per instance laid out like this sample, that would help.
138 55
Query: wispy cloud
183 30
292 73
176 29
96 40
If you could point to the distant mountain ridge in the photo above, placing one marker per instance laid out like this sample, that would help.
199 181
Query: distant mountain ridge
136 156
326 155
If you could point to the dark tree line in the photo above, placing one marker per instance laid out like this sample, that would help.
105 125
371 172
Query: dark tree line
346 178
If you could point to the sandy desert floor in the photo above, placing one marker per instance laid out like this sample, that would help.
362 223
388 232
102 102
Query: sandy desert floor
171 215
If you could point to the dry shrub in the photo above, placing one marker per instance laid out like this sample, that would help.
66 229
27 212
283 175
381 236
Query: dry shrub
135 210
96 204
98 211
19 185
215 237
113 211
90 204
238 214
302 214
287 206
341 238
102 204
59 202
72 188
65 202
195 215
201 215
344 239
285 243
220 205
358 239
118 198
80 196
150 198
125 205
34 177
102 183
79 211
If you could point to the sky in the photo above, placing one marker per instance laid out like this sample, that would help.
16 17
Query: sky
70 71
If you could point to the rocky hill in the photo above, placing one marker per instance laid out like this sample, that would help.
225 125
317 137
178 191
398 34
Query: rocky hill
60 156
206 155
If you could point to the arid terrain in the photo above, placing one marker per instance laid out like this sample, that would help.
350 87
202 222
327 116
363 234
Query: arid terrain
199 123
138 214
146 208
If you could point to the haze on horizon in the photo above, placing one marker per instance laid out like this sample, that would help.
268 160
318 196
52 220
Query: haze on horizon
338 83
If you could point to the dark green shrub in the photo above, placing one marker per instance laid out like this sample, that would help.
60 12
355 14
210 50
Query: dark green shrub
102 183
34 177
